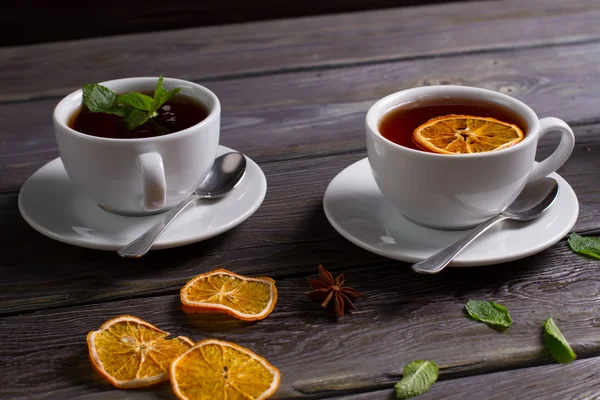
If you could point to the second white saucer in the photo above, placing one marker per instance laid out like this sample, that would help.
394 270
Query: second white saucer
50 204
357 210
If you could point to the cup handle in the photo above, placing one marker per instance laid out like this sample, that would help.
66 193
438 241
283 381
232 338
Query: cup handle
154 182
562 152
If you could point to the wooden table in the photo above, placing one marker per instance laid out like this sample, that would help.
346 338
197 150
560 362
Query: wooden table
294 96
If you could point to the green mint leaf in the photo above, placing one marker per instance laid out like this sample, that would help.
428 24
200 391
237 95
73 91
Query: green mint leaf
490 313
98 98
556 343
417 378
136 100
590 246
136 108
161 95
136 118
118 110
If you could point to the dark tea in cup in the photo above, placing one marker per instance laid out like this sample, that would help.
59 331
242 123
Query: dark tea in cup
458 118
175 115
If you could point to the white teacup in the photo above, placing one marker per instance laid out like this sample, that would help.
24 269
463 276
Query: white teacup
139 176
459 191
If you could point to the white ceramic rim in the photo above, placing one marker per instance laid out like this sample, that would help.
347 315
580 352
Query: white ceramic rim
397 99
76 97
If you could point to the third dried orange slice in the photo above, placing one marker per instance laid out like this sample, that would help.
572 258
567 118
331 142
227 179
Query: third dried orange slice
217 370
222 291
464 134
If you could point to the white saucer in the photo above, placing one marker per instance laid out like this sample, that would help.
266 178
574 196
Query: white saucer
357 210
49 203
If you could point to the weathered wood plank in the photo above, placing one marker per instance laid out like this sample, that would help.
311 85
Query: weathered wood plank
288 235
403 316
576 381
316 113
265 47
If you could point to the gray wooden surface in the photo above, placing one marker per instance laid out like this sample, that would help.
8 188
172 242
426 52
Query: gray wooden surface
294 95
226 52
576 381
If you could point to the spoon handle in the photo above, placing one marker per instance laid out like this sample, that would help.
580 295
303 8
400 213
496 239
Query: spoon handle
142 244
439 261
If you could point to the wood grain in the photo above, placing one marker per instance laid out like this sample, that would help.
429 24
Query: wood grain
279 117
288 235
403 316
285 45
575 381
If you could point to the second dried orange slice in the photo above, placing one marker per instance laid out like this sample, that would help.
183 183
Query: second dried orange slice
130 352
466 134
222 291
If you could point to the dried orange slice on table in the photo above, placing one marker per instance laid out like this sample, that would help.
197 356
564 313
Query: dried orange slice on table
131 353
217 370
222 291
464 134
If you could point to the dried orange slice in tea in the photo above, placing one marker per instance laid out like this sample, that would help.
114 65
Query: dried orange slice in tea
222 291
217 370
130 352
464 134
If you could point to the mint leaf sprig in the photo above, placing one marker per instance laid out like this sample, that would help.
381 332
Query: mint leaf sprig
136 108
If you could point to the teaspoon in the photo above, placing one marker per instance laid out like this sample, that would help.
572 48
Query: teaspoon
534 200
226 172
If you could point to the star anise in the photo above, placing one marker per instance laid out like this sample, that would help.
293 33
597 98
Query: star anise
332 293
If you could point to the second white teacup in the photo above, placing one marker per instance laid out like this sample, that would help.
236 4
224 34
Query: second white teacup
459 191
139 176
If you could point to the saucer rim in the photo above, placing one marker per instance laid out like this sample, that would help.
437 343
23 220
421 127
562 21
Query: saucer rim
164 241
494 260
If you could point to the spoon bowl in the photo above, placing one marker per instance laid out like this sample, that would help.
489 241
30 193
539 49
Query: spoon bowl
226 172
533 201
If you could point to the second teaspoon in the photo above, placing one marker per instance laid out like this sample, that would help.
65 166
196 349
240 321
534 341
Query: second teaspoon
534 200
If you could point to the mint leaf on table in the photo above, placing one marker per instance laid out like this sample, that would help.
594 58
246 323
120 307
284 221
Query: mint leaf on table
556 343
417 378
136 100
161 95
590 246
490 313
